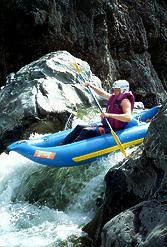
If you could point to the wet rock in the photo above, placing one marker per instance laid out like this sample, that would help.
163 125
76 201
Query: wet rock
41 96
142 225
135 203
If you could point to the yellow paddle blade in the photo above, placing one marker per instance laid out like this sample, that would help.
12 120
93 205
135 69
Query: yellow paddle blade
77 68
116 138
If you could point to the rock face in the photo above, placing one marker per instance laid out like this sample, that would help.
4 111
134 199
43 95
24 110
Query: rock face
118 38
135 204
43 94
142 225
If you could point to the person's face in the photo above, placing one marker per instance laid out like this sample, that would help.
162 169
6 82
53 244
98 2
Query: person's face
116 91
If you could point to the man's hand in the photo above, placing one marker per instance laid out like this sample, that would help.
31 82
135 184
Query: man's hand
87 84
105 115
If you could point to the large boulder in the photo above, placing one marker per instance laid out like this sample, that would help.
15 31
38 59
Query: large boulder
142 225
135 202
42 95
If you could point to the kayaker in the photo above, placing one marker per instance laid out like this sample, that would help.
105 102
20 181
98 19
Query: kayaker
118 112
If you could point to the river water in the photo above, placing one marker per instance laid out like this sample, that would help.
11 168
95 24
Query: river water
43 206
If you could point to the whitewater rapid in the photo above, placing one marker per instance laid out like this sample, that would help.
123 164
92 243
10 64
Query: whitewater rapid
42 206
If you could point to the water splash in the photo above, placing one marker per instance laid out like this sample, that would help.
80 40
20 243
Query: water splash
42 206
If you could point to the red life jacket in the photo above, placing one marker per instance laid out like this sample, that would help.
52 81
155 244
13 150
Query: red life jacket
114 106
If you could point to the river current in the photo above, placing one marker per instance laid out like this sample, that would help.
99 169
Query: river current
43 206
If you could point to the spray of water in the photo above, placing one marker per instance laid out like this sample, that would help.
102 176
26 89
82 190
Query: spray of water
25 222
42 206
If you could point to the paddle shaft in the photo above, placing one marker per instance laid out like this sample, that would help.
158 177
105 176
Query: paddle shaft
98 105
116 138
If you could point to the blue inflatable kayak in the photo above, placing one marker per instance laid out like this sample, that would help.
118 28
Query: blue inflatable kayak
45 151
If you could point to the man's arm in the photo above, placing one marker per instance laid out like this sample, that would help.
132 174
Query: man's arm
99 91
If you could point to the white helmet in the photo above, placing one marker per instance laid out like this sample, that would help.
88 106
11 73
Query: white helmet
122 84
